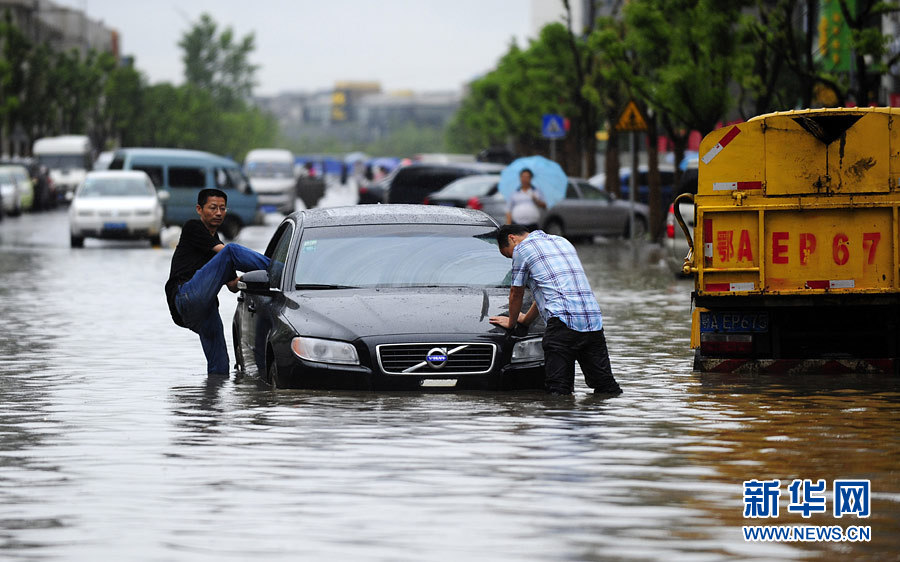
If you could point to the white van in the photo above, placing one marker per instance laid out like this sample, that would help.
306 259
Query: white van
272 175
68 158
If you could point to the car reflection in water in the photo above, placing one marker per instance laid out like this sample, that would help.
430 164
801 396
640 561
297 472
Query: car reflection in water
384 297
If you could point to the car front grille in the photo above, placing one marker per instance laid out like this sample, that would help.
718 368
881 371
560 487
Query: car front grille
412 358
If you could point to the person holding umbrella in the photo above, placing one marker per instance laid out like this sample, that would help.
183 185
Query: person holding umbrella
525 204
550 267
529 185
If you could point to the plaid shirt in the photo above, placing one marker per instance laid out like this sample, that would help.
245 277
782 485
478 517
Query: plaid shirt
550 267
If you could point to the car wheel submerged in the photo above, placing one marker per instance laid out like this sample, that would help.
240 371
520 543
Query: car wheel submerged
640 228
230 228
555 227
272 375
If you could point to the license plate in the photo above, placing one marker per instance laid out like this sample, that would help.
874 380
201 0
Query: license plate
437 383
114 226
730 322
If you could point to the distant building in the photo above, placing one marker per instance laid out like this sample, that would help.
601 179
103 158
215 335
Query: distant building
358 110
61 27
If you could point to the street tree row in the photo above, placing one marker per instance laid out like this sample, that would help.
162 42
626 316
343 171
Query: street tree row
691 65
45 93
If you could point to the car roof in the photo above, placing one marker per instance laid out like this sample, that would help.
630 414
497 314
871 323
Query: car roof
110 174
391 214
176 154
481 167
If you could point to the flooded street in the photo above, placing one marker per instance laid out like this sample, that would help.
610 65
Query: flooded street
116 445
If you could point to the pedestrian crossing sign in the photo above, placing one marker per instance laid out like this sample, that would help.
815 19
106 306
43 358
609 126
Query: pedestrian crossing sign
631 119
553 126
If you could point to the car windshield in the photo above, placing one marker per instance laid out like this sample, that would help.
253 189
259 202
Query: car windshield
270 170
116 187
414 255
468 188
62 161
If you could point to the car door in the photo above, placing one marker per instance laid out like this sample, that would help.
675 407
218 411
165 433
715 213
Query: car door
260 312
603 217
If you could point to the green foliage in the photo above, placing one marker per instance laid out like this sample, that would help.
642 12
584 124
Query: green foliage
45 93
509 101
218 62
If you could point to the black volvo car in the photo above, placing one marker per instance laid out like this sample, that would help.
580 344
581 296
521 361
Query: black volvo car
384 297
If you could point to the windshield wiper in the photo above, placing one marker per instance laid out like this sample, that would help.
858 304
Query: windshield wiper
322 286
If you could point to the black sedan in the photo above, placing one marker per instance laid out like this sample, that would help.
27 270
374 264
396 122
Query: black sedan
386 296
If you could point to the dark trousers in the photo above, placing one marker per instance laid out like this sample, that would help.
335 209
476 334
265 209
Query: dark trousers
563 346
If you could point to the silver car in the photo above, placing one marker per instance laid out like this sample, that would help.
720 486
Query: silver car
119 204
589 211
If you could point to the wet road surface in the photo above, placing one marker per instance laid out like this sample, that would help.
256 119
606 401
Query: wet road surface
115 445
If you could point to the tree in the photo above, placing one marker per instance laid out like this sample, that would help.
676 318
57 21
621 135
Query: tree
218 62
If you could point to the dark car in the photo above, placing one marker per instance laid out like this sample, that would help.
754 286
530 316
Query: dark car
413 183
588 211
473 192
391 296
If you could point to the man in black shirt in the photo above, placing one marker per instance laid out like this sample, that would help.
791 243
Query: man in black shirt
201 264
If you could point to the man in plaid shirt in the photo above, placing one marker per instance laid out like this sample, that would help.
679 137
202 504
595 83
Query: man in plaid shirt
550 267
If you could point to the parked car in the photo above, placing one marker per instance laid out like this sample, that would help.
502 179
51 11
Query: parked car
589 211
10 202
183 173
116 204
17 189
676 244
271 173
390 296
666 178
413 183
473 192
44 192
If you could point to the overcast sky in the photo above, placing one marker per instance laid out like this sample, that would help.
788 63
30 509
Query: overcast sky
423 45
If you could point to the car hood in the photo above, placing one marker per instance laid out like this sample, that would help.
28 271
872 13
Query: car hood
353 313
115 203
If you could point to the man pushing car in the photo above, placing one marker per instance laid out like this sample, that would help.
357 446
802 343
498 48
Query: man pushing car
550 267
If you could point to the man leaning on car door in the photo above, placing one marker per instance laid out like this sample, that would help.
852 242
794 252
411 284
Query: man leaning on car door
201 264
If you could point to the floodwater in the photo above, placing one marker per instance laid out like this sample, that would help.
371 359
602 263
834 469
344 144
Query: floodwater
115 445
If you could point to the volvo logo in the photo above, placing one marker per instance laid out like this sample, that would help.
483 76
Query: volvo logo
437 357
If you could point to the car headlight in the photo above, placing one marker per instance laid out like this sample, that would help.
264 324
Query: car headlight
528 350
325 351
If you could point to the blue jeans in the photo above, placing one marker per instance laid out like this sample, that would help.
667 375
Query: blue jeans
196 301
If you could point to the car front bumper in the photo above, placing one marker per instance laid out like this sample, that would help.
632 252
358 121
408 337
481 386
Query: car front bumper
115 227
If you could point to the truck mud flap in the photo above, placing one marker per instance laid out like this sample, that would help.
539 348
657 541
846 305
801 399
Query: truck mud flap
795 366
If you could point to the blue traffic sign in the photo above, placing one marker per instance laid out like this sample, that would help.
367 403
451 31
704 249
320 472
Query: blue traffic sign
553 126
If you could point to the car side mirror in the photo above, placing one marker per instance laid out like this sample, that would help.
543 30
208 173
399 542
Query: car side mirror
163 195
255 282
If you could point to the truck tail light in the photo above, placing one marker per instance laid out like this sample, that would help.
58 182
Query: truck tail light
726 344
474 203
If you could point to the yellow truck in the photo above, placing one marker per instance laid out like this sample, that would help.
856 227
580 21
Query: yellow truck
794 253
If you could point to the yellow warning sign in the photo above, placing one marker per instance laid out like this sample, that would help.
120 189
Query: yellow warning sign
631 119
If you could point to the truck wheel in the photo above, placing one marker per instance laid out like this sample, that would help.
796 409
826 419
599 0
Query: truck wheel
77 241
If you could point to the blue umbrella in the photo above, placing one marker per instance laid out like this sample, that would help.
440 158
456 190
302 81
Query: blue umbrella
549 178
